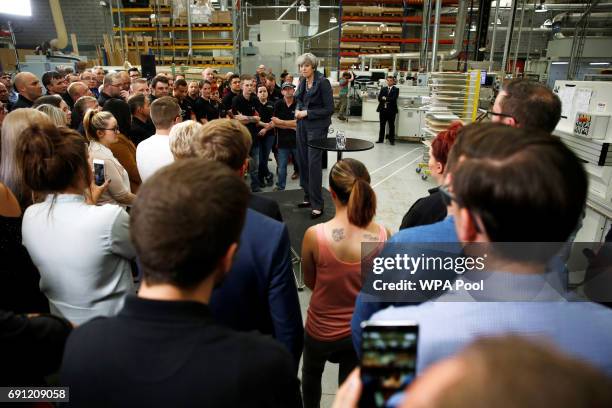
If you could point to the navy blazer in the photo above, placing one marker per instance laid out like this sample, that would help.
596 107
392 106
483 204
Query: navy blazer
389 105
318 101
259 292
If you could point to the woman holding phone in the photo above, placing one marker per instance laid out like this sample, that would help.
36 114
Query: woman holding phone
102 132
82 251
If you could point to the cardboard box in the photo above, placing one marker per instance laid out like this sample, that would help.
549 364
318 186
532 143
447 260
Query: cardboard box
221 17
7 58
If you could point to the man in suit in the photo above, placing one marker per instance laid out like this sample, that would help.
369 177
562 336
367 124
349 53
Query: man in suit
387 108
259 292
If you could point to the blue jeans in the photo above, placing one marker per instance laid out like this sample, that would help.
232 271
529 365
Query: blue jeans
265 147
254 164
283 159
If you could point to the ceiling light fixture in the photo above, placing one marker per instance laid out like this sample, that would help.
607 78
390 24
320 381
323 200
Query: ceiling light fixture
302 8
333 19
599 63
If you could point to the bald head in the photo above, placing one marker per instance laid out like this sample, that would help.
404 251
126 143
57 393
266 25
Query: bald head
208 74
77 90
28 85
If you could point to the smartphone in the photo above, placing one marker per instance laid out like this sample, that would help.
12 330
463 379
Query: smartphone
98 172
388 361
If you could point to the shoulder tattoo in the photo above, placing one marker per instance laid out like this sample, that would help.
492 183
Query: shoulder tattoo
338 234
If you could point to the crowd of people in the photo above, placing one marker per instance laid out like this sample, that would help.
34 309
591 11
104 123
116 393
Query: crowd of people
170 283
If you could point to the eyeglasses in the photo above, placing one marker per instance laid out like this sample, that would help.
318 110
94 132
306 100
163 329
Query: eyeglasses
448 198
489 115
115 129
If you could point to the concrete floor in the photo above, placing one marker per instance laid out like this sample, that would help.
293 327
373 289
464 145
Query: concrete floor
397 187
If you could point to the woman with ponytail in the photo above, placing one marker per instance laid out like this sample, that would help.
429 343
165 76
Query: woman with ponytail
82 251
102 131
331 263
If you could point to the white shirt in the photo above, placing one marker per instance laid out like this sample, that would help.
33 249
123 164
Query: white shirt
152 154
119 187
83 254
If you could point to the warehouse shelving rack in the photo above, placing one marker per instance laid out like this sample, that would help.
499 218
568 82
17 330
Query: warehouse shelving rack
154 30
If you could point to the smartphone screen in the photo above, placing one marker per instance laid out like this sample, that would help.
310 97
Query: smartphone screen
388 362
98 172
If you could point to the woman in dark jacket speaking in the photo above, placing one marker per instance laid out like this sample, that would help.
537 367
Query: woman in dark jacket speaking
315 106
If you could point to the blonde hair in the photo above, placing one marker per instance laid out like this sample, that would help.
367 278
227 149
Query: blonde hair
12 128
224 140
55 114
182 138
94 121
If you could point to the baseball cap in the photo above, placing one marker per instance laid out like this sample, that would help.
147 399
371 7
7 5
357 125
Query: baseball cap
287 85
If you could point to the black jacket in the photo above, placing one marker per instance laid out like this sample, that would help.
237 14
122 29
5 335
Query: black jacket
103 98
389 105
426 210
265 206
22 102
30 348
171 354
318 101
140 130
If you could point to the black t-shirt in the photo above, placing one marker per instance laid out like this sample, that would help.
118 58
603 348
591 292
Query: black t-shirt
426 210
141 130
209 110
227 100
250 107
266 112
186 361
275 95
286 137
186 108
191 100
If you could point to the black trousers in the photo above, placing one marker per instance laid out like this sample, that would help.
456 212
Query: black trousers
316 353
384 118
310 164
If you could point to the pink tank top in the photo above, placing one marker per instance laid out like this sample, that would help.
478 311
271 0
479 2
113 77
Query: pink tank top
336 287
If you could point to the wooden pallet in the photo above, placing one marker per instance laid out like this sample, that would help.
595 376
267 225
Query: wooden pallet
392 11
372 11
352 10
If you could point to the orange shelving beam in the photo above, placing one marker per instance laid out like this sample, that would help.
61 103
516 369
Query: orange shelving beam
387 19
394 40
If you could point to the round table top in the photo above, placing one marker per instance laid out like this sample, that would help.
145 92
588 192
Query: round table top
352 144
